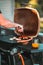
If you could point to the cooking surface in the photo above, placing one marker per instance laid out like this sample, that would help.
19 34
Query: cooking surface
9 44
6 43
7 39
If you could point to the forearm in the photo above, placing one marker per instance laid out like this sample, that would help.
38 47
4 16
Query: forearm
7 24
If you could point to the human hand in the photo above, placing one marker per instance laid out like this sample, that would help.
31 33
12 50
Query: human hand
18 29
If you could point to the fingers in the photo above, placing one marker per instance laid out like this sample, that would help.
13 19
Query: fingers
19 28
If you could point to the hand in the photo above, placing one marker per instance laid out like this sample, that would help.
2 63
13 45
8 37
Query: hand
19 29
